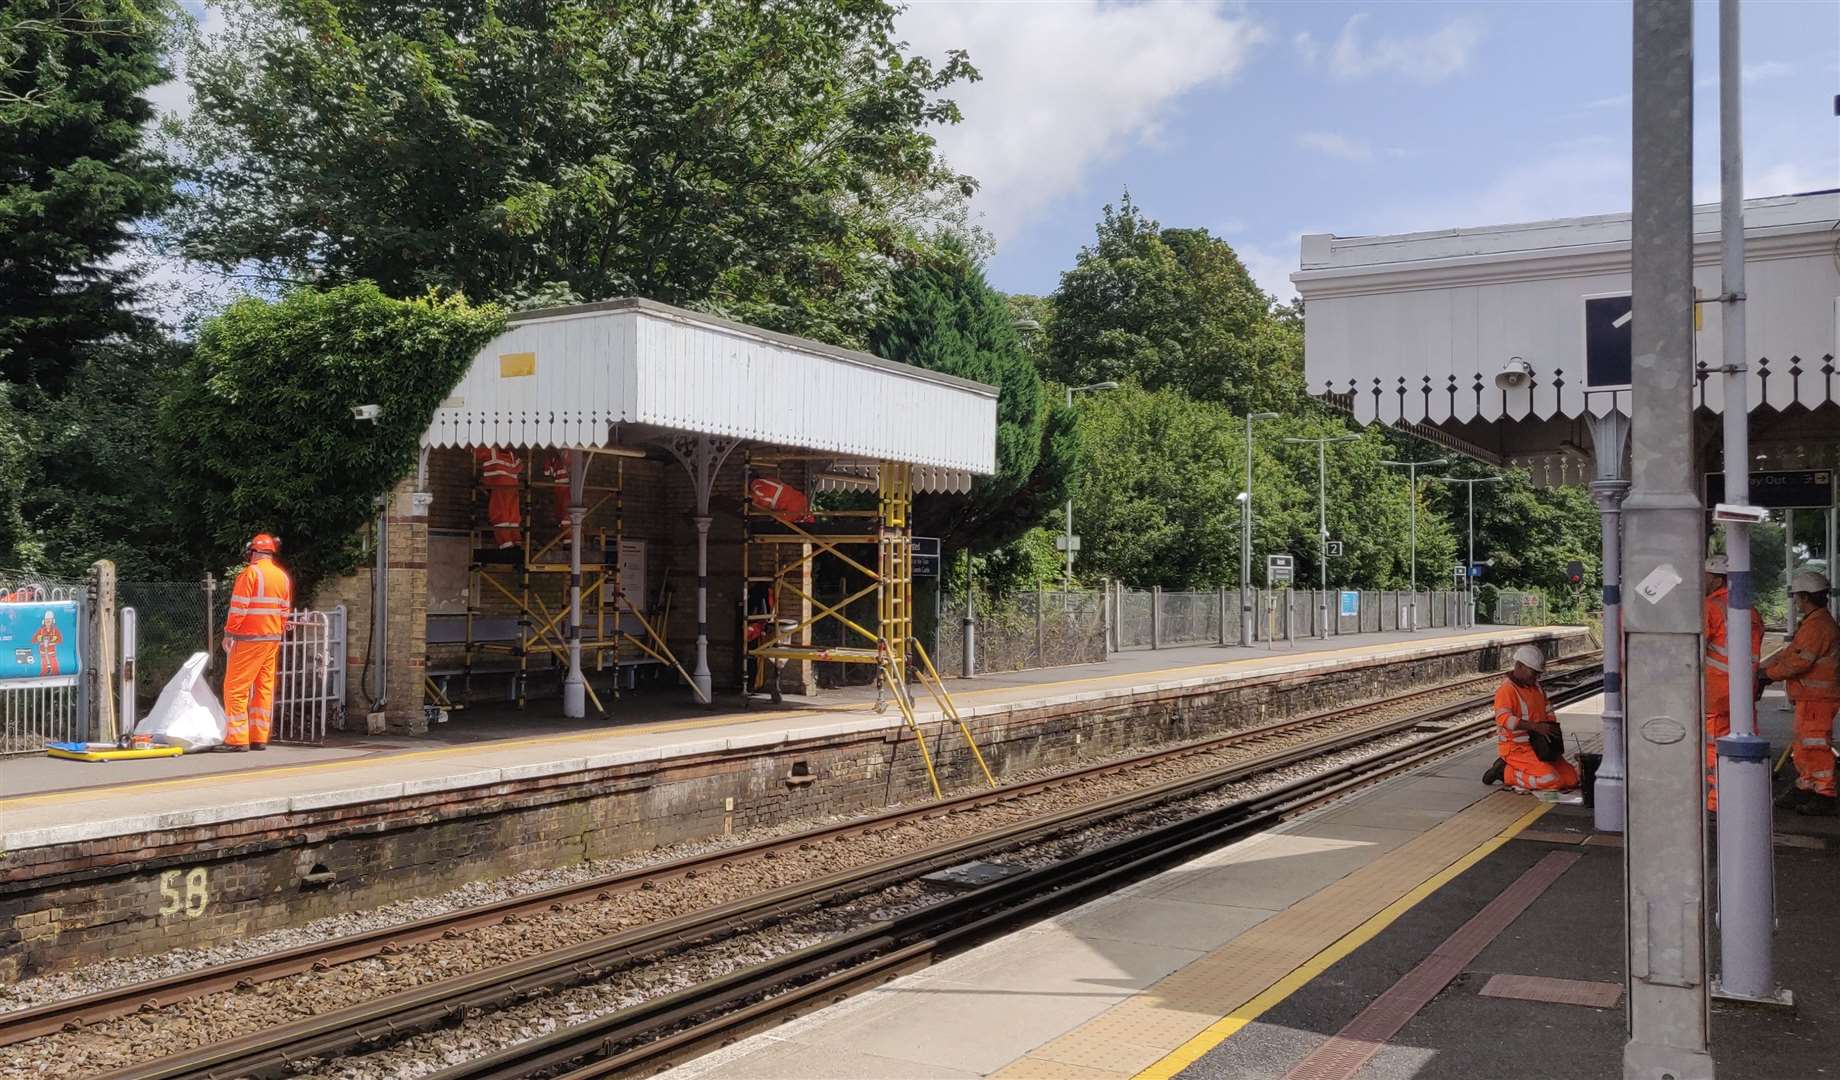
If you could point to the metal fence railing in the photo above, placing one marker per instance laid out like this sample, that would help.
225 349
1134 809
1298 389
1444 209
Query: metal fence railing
1519 609
1029 630
310 677
1155 619
34 714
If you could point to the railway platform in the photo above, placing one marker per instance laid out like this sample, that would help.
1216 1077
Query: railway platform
89 867
1431 928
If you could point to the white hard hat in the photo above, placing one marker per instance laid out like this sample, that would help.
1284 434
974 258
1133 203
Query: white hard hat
1531 656
1716 564
1810 581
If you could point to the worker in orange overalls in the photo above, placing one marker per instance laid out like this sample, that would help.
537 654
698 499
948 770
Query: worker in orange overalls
556 471
1718 670
48 638
1809 668
498 474
259 607
1521 710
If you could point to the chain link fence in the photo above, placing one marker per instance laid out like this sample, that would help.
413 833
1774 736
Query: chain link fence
1028 630
174 619
1519 609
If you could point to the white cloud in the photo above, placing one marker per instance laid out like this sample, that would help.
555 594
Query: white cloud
175 95
1425 58
1334 145
1564 182
1308 48
1272 267
1615 101
1769 69
1069 86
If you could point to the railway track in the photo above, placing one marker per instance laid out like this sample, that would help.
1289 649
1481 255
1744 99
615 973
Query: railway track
30 1023
666 1026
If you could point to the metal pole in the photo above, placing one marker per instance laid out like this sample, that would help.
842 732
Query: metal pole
1322 538
1470 563
1412 499
1747 894
968 643
1067 575
1245 547
574 686
1664 851
1610 439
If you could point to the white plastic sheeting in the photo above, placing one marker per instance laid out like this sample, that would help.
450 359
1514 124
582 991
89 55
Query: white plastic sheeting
187 713
565 377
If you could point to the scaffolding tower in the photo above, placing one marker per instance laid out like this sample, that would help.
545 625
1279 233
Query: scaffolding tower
519 576
847 535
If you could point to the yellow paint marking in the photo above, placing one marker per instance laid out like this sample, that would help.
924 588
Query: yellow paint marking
1227 1026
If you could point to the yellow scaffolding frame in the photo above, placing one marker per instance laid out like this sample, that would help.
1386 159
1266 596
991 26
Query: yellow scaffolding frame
891 647
541 631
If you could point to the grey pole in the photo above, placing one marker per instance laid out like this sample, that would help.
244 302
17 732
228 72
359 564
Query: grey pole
1245 538
574 685
1411 468
1664 849
1747 887
968 644
1322 523
1610 440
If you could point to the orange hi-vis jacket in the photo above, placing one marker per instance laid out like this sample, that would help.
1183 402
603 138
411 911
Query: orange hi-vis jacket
1809 667
498 467
1718 657
260 602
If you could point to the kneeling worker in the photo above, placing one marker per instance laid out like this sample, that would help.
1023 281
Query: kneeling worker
1809 669
1522 716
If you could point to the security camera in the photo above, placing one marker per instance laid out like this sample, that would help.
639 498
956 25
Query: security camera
1514 374
366 412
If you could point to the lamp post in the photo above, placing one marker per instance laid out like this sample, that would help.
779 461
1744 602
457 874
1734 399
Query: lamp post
1469 565
1412 478
1322 523
1068 539
1245 537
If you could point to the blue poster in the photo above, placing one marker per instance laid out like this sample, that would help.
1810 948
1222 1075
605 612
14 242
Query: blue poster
1351 604
38 644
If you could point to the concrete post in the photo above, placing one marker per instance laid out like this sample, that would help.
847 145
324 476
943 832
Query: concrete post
1610 436
1747 893
1664 853
1156 616
705 685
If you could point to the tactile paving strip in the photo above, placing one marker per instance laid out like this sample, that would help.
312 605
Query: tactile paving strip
1141 1030
1598 995
1343 1054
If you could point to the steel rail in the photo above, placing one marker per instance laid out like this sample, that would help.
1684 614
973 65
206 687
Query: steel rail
660 1033
33 1022
392 1016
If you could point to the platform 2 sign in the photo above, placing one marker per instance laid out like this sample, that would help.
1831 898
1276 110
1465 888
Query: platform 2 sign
1784 489
38 644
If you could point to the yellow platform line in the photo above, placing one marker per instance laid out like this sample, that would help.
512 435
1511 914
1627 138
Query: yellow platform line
1227 1026
1024 692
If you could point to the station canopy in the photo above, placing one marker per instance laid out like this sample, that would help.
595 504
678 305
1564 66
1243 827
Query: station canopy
632 371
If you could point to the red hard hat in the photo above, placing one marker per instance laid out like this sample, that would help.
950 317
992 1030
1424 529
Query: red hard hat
264 544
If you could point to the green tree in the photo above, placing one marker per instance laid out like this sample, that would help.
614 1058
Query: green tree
1531 533
762 161
944 316
1172 308
259 423
1158 502
75 174
18 550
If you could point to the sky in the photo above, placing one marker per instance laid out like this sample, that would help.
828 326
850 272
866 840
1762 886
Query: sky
1264 121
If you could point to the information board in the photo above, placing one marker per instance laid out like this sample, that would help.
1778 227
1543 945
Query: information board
1351 604
926 556
1782 489
39 644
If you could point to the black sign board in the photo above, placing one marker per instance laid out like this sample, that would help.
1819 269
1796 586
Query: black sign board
1607 341
1786 489
926 556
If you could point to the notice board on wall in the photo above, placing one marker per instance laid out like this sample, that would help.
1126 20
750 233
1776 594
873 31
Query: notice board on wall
632 577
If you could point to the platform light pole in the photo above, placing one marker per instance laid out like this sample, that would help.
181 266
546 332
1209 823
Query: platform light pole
1068 540
1469 566
1664 847
1412 468
1747 894
1322 522
1245 537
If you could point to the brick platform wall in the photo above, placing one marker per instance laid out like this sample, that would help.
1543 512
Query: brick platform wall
62 907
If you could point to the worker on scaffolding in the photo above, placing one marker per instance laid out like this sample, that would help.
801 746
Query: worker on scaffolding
556 471
259 607
499 470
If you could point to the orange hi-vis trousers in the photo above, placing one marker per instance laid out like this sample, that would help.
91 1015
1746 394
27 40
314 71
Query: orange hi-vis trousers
249 692
1718 725
1813 751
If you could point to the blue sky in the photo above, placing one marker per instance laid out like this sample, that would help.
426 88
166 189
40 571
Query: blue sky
1265 121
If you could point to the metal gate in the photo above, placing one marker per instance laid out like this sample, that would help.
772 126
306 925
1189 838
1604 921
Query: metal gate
31 716
310 677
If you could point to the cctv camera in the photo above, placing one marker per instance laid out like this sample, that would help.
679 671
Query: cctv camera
1514 374
366 412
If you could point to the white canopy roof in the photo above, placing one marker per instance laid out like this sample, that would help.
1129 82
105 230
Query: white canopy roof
566 377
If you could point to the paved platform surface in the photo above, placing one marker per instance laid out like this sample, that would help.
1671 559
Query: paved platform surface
1246 963
45 802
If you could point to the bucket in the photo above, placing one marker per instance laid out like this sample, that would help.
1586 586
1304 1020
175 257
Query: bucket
1587 776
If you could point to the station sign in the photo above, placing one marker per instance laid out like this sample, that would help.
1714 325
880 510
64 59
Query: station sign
926 556
1456 573
1279 570
1781 489
1332 549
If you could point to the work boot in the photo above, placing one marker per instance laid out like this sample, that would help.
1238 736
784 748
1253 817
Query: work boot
228 749
1818 806
1495 773
258 746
